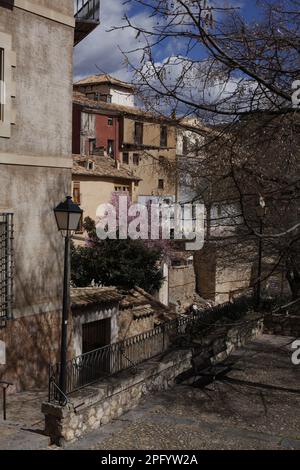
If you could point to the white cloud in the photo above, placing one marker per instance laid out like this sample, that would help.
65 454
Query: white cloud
100 51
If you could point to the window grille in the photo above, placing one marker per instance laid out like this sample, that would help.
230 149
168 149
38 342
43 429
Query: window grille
6 265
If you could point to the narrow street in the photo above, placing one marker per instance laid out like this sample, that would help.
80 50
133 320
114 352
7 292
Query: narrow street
256 406
230 414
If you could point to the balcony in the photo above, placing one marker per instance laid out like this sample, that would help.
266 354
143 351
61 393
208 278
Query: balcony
87 18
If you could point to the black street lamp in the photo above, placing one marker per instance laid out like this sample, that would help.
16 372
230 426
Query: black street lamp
261 212
68 217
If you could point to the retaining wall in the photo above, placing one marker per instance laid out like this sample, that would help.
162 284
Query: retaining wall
97 405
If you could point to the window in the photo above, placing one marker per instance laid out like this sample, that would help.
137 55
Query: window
89 165
111 148
126 158
7 61
161 161
163 136
76 192
110 121
138 133
6 265
122 188
109 99
161 184
92 146
136 159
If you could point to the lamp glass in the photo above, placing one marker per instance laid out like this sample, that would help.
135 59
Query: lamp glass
62 220
74 220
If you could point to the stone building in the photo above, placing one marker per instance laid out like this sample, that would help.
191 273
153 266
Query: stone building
36 54
105 315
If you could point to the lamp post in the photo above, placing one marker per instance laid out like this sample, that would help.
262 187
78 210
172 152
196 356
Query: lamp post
68 217
261 212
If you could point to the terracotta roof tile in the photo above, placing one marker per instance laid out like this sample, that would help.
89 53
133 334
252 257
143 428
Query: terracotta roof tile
103 79
84 297
103 167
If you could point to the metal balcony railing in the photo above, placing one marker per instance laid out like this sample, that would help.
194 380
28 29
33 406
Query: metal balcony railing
87 17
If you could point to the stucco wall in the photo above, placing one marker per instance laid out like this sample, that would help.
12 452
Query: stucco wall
35 175
32 193
31 344
66 7
122 97
150 171
151 133
97 191
43 83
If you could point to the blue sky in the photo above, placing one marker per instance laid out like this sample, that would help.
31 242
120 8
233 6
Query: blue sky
101 51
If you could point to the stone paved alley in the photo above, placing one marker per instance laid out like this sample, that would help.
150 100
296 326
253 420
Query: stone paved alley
257 406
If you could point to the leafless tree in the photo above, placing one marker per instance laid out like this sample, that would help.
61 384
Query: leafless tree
237 76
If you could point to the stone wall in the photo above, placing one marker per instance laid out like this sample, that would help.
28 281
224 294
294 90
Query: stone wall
99 404
129 326
182 286
282 324
218 346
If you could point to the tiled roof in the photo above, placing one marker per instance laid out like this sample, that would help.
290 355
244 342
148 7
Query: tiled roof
83 100
103 167
140 302
144 305
84 297
143 311
103 79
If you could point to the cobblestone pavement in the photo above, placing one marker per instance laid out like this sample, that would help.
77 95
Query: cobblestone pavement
25 422
257 406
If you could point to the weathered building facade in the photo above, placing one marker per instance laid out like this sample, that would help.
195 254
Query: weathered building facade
36 48
139 142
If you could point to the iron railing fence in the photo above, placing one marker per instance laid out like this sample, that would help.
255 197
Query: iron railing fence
93 366
87 10
89 368
6 265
